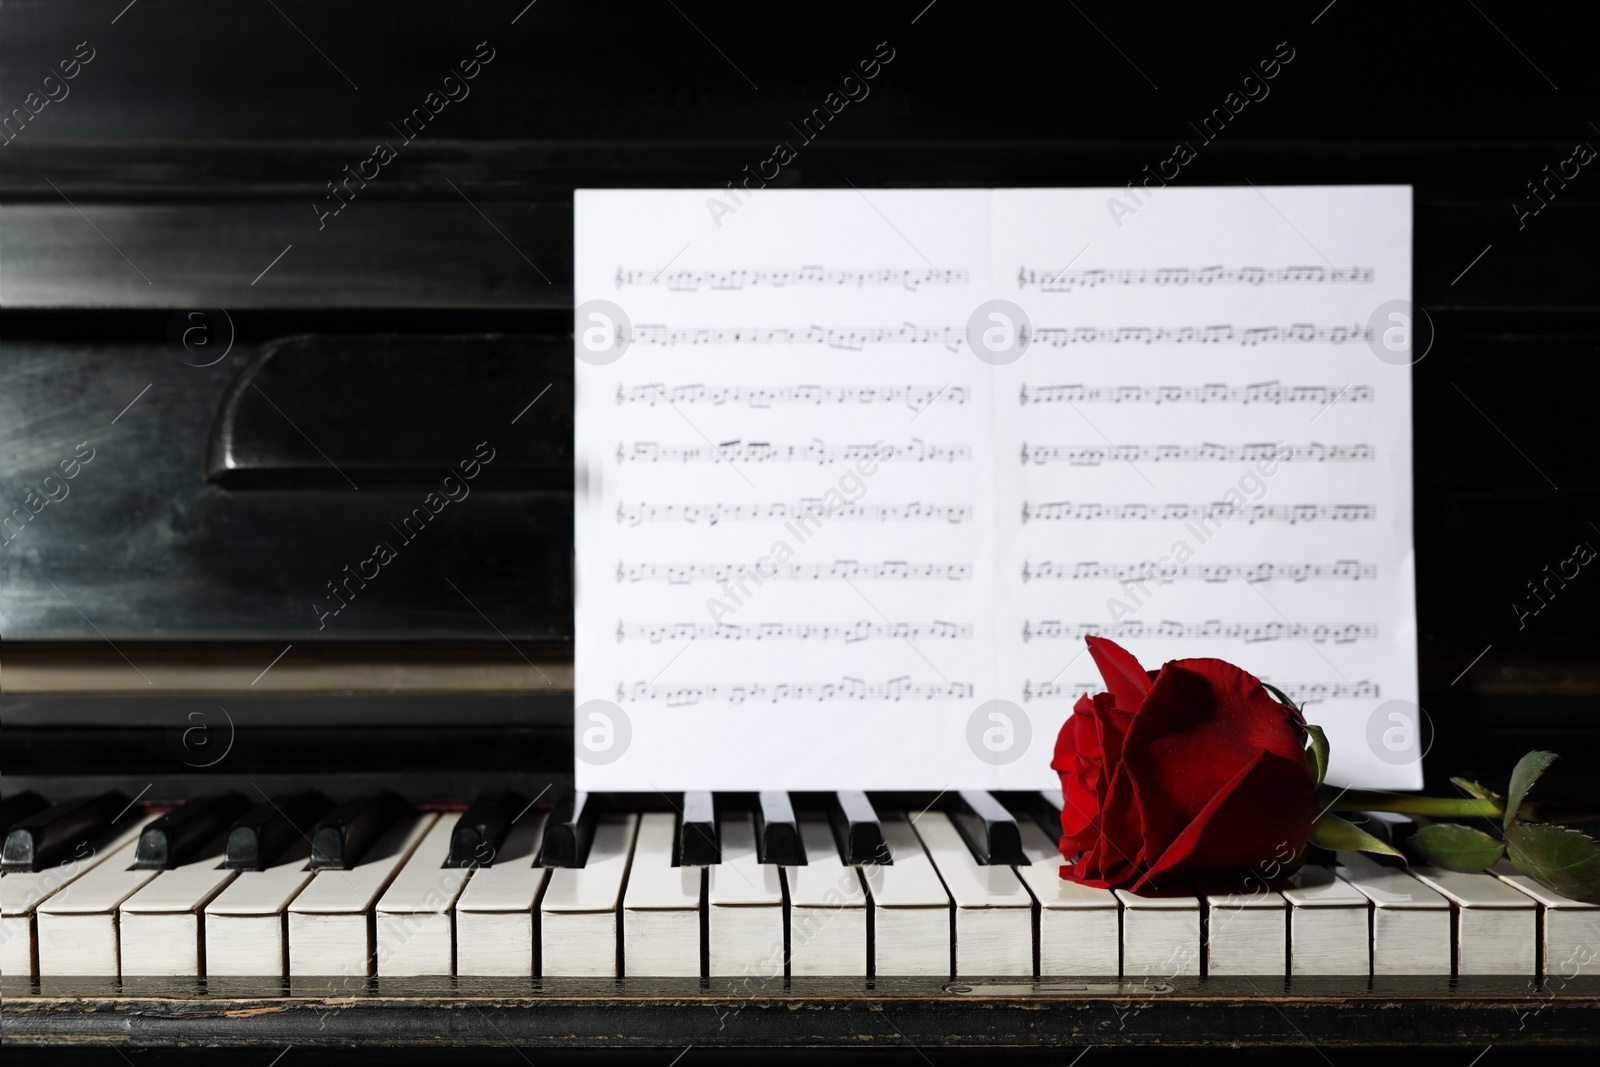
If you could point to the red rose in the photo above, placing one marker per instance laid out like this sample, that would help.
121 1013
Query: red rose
1194 773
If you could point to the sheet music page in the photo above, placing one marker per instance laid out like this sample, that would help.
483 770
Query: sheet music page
857 470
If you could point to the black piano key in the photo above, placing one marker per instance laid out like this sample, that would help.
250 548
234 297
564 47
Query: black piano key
482 828
41 839
1042 806
568 832
350 830
856 829
699 844
778 833
175 837
19 806
990 831
264 833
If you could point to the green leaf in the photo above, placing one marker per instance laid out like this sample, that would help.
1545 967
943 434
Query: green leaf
1474 789
1330 831
1283 698
1527 771
1456 848
1318 752
1557 857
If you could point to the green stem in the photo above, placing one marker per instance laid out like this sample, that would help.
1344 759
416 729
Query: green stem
1407 804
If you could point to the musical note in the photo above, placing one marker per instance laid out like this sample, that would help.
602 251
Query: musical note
855 338
915 451
687 694
850 633
1097 455
763 396
1066 281
1344 570
1293 514
1214 629
807 508
1299 692
889 570
1261 393
690 281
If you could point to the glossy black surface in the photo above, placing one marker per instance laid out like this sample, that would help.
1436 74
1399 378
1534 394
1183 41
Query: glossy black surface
45 838
699 842
349 831
987 827
482 828
856 829
777 831
177 836
569 831
272 828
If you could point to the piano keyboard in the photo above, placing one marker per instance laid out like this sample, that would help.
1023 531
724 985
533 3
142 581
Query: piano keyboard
594 888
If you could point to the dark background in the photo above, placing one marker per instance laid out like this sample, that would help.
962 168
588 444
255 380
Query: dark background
191 149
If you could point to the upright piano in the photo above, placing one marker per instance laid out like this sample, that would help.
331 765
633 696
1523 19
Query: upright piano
268 784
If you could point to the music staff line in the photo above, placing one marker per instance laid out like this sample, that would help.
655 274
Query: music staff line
888 570
1299 692
1275 393
1098 455
856 338
1344 570
1249 633
805 508
1065 281
765 396
688 694
1293 514
735 279
818 452
849 633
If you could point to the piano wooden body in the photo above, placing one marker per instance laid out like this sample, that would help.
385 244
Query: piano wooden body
256 366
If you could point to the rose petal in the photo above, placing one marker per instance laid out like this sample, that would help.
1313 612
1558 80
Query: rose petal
1260 818
1127 681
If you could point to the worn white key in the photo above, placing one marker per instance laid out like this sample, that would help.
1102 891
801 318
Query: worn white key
1079 925
581 907
993 910
1497 928
1410 922
330 921
413 915
162 925
77 927
21 893
1246 932
661 906
1328 924
827 908
744 900
911 912
496 915
247 924
1160 934
1569 929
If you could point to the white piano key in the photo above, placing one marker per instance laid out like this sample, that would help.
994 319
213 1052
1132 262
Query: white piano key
77 927
413 915
1079 926
993 910
247 924
911 912
496 915
661 906
1410 922
579 913
1247 932
1329 924
1497 928
827 908
331 920
21 893
1569 929
744 900
1160 934
163 925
